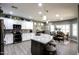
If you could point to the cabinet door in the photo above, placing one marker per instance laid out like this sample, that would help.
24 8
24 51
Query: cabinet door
37 48
8 39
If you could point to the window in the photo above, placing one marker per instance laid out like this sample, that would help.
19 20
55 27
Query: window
58 26
64 28
51 28
67 28
74 29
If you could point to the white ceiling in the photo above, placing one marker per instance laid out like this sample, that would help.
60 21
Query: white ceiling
65 10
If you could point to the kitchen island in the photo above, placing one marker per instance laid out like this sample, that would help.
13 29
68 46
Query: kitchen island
38 44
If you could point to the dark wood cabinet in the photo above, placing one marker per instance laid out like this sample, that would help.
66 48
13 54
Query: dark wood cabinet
1 38
37 48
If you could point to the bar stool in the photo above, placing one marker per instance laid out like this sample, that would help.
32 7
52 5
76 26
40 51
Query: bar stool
51 48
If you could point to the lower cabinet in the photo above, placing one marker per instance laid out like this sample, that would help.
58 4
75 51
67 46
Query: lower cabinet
8 39
37 48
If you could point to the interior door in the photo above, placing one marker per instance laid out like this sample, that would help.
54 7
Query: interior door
1 38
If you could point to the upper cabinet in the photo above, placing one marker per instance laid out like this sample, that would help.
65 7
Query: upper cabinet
25 24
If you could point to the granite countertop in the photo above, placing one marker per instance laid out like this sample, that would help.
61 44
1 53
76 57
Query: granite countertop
43 38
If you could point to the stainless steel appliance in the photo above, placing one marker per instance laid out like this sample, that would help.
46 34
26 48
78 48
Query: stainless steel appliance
17 33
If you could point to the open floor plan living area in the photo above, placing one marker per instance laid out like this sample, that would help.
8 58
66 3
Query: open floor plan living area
39 28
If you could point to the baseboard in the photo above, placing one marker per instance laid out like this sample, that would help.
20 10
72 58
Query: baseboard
16 43
76 41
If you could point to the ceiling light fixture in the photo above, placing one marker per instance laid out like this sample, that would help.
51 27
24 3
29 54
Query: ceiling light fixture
34 23
44 17
39 12
11 12
39 4
61 18
57 15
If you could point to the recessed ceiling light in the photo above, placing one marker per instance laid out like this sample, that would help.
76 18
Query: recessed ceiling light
39 12
57 15
10 12
61 18
44 17
39 4
34 23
